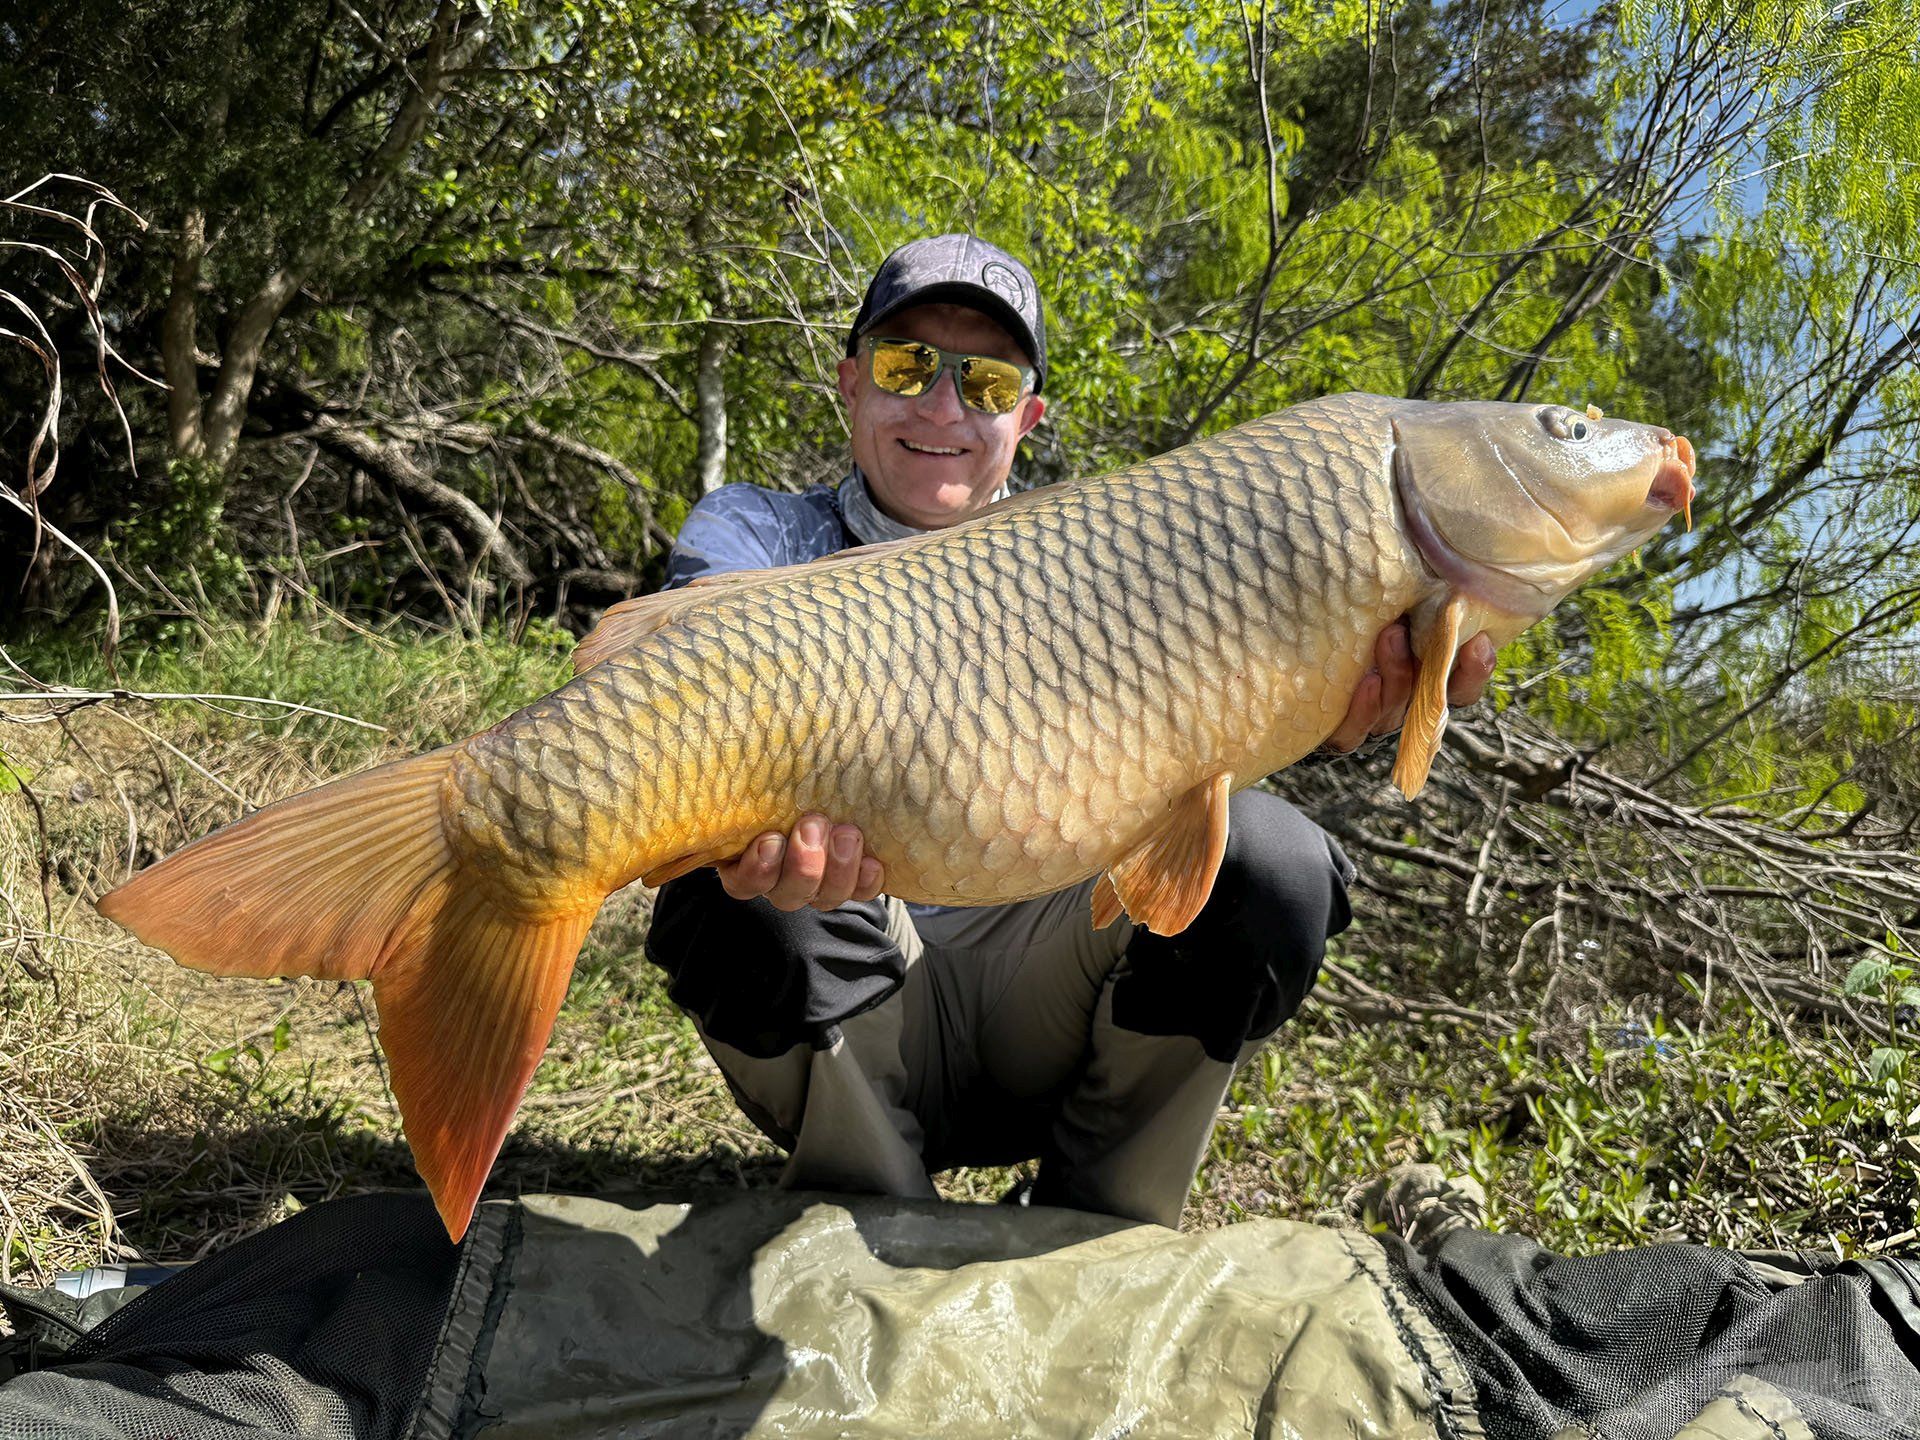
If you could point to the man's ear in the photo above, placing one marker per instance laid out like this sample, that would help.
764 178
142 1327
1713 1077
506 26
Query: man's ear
847 374
1030 417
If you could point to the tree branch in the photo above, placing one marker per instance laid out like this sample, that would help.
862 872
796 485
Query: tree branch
393 465
447 50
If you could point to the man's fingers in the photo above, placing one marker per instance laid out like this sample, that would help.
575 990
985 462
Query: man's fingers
819 864
805 865
751 873
1472 668
1362 710
842 875
1393 654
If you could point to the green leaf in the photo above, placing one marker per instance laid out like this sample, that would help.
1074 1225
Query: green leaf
1867 976
1885 1062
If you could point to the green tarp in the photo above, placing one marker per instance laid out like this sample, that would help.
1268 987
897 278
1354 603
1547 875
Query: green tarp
782 1315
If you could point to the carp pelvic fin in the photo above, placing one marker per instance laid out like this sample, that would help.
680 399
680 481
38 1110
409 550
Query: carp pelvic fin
1164 881
356 880
1427 710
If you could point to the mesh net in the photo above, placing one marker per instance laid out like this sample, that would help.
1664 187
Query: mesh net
332 1325
321 1327
1634 1344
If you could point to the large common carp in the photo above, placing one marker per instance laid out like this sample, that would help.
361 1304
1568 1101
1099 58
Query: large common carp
1069 684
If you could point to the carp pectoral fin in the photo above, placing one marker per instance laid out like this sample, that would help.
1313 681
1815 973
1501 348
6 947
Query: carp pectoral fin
1164 882
1427 710
464 1018
1106 902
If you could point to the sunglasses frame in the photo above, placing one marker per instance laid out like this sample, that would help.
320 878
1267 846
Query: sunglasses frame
949 361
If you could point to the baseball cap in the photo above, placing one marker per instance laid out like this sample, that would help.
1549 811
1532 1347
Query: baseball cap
958 270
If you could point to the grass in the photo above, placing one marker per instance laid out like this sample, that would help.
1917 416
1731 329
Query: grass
147 1110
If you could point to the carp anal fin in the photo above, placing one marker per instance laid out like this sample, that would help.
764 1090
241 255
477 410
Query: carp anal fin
357 880
686 864
627 623
1163 882
1427 710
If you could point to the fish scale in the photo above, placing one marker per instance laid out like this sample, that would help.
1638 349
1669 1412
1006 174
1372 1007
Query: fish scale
1004 709
1069 684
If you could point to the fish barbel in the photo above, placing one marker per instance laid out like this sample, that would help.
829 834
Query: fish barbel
1069 684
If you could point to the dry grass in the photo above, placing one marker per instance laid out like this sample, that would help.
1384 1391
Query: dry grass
148 1111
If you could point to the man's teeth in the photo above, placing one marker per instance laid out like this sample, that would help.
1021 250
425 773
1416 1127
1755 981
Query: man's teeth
932 449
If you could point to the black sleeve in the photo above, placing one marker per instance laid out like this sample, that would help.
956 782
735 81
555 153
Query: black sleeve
763 979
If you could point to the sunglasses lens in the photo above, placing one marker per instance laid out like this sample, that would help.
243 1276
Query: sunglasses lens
904 369
989 385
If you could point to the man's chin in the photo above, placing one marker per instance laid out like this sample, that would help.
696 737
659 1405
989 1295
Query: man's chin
927 502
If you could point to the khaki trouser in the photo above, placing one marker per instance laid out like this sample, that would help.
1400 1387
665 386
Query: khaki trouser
1014 1001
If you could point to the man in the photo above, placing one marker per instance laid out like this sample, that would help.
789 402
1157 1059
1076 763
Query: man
877 1041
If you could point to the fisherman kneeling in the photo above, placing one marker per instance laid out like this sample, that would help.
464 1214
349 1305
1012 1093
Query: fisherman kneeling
878 1041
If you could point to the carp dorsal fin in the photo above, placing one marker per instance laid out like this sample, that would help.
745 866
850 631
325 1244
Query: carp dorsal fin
630 621
1434 646
1163 881
627 623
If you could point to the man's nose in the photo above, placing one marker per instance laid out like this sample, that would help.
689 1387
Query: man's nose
941 404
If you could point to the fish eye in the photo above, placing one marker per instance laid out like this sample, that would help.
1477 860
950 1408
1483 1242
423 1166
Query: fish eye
1565 424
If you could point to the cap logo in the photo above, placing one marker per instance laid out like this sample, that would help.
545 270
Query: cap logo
1007 285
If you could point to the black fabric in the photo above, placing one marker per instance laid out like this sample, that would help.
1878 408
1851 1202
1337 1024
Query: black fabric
321 1328
1896 1295
1634 1344
1250 956
763 979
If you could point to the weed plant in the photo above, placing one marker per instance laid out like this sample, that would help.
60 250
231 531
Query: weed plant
149 1110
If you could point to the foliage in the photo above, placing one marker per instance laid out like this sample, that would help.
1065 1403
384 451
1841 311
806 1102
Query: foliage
453 299
1630 1130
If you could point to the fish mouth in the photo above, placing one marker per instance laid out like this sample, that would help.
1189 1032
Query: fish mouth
1672 487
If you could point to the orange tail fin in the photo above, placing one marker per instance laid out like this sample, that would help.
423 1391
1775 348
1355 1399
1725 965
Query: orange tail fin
354 881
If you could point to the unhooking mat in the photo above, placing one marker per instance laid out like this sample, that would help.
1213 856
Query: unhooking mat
770 1313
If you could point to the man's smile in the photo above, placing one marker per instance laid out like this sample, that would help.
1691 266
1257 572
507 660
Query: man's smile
931 449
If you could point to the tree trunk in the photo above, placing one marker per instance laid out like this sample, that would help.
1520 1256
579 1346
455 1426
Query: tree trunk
391 463
177 329
226 410
710 393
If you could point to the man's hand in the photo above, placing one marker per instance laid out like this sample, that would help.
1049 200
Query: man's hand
818 864
1379 704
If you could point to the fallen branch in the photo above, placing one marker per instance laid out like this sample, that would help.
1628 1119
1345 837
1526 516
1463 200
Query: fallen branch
62 702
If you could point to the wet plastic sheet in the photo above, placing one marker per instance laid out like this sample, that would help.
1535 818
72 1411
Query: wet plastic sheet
782 1315
765 1313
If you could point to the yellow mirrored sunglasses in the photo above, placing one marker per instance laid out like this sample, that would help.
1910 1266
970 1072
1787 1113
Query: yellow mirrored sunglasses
911 367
